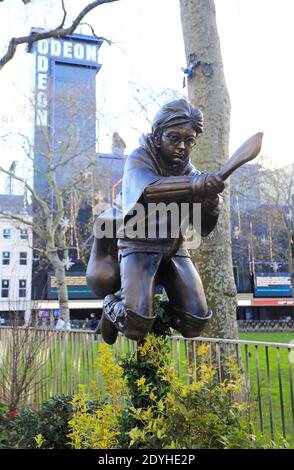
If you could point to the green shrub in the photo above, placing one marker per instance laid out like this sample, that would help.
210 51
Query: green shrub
160 412
99 428
4 431
203 414
50 423
146 407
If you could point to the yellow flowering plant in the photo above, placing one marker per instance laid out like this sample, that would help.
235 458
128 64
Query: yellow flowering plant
39 439
98 428
147 406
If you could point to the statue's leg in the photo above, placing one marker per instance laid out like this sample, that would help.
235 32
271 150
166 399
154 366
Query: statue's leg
132 314
187 303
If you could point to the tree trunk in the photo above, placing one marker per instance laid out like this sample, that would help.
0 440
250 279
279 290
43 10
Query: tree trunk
291 264
292 250
207 90
59 272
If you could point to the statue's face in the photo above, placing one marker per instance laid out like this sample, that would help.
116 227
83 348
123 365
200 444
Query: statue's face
176 144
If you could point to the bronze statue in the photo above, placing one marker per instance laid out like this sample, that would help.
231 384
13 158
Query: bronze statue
125 270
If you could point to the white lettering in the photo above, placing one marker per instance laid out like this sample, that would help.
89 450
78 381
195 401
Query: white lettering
103 228
123 461
42 100
41 91
42 81
67 49
43 46
128 461
135 226
42 63
91 53
118 461
156 221
42 67
161 218
55 47
41 117
193 234
79 51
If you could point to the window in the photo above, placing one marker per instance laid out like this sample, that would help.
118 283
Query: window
7 233
23 257
5 258
22 288
5 288
23 233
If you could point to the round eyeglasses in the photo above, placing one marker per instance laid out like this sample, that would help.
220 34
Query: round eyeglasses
176 140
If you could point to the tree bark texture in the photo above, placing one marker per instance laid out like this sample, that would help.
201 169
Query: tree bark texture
59 272
209 92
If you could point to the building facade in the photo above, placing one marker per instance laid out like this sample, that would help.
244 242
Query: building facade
16 257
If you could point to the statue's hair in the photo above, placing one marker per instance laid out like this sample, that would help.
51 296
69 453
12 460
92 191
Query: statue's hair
175 113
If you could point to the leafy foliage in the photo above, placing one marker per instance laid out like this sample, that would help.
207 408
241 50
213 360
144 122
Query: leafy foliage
50 422
46 428
146 407
203 414
99 429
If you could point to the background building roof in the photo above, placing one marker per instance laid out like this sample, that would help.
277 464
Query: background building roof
12 204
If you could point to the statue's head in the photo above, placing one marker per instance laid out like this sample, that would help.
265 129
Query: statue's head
175 129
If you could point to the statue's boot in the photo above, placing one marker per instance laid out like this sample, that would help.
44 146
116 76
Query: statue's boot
116 318
187 324
109 315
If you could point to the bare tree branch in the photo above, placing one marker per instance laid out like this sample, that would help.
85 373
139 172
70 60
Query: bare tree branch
64 14
52 33
38 199
23 1
25 221
109 42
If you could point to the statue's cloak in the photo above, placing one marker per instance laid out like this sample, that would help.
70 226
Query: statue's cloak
142 168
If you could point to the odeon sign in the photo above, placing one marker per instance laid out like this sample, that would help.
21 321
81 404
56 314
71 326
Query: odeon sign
68 49
58 49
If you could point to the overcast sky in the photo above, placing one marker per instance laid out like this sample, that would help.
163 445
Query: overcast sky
257 40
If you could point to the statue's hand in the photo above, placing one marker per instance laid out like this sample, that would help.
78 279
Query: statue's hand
213 184
213 206
207 186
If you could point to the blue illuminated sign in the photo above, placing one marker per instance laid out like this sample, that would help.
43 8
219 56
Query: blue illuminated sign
272 285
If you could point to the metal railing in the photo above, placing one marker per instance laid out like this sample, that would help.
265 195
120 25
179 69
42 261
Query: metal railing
265 325
267 371
45 323
60 361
